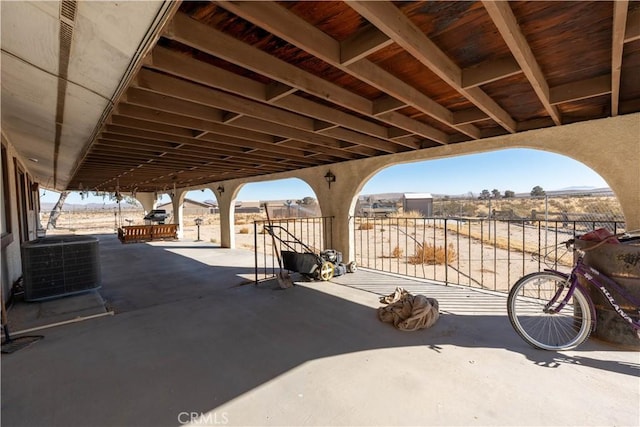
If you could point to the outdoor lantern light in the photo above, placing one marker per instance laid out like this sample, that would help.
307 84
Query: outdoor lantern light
220 189
198 222
330 178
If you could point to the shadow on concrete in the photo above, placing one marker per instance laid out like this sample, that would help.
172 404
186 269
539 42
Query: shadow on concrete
188 339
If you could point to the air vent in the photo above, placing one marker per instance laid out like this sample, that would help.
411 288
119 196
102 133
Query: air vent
68 10
66 35
60 266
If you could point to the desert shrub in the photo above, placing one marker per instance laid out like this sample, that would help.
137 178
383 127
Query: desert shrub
431 254
366 226
397 252
244 230
408 214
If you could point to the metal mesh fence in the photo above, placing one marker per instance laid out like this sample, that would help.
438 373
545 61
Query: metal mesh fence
486 242
589 210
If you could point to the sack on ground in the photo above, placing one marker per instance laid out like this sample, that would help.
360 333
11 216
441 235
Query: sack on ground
409 312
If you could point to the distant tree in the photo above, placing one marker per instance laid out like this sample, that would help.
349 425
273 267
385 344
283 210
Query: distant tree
537 191
508 194
496 193
57 210
484 195
307 201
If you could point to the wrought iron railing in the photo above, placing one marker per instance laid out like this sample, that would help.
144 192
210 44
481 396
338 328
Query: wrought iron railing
296 234
484 253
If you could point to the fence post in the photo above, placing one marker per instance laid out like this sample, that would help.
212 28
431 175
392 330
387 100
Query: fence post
255 250
446 255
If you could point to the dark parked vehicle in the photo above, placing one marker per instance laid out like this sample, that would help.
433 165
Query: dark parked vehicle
156 215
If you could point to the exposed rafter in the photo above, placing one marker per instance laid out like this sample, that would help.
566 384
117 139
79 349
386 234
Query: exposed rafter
617 45
243 89
506 23
401 30
289 27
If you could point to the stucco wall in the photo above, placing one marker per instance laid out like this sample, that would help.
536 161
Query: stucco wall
611 147
11 261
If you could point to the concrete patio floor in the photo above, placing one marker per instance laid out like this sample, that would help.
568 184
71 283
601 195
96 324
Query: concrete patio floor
192 340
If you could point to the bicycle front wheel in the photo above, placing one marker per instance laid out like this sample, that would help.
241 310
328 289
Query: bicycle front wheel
532 306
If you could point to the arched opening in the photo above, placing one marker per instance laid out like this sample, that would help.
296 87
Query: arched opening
200 215
479 219
87 212
281 221
288 201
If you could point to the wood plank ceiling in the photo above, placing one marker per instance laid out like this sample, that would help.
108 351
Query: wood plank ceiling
241 89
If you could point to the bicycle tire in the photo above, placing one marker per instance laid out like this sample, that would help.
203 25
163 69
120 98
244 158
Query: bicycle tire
543 329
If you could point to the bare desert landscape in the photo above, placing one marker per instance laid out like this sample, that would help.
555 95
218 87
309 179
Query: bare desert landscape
469 249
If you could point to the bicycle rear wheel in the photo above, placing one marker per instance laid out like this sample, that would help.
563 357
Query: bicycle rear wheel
541 326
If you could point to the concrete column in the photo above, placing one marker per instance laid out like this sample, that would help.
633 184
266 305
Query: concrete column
226 195
177 204
148 201
338 201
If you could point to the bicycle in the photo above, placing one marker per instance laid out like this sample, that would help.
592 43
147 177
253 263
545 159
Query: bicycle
552 310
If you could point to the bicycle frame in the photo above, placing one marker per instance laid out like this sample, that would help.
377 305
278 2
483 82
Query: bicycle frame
602 283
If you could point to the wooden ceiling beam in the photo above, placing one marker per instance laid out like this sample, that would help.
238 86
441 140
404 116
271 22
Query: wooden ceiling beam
286 25
168 128
362 140
303 127
202 73
142 107
320 146
632 32
363 43
224 136
275 91
207 39
385 104
331 115
202 126
470 115
584 89
505 21
489 71
620 9
323 143
391 21
205 146
414 126
320 143
367 71
167 166
192 92
196 157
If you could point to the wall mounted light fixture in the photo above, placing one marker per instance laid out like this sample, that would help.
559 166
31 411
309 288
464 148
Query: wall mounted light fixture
330 178
220 189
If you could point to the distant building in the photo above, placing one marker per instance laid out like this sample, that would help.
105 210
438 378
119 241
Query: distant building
418 202
247 206
190 207
291 209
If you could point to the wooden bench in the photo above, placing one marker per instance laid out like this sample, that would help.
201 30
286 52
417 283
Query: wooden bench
146 233
164 231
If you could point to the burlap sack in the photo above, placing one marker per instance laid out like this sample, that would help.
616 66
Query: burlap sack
408 312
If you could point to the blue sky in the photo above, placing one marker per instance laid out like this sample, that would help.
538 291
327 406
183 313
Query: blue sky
518 170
